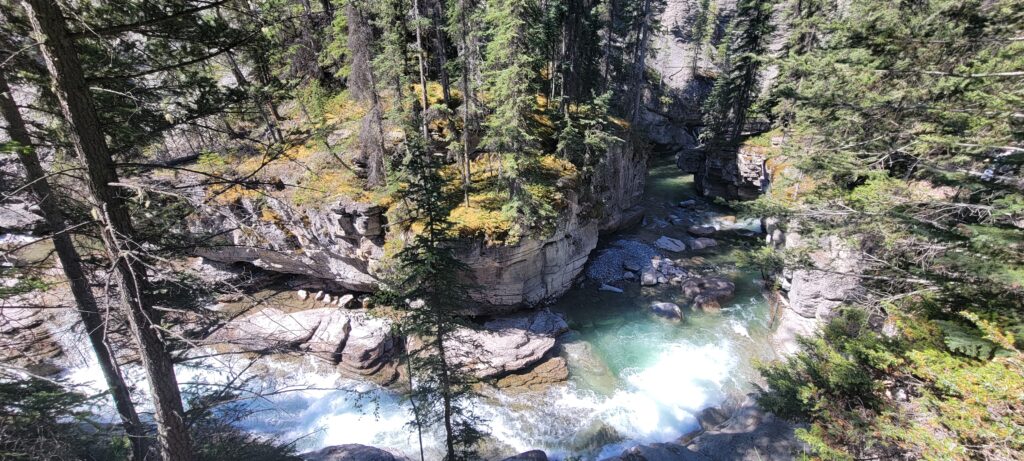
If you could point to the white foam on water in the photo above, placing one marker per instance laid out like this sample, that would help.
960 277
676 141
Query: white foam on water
656 402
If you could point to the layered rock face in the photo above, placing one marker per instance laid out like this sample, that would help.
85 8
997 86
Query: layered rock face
672 111
536 270
732 175
356 344
340 242
811 295
343 242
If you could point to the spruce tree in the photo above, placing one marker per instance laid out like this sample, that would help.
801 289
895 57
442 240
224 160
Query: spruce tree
511 72
432 291
119 236
743 52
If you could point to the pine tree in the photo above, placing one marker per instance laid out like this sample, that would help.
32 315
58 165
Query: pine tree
119 236
902 119
702 31
511 74
432 292
71 263
743 52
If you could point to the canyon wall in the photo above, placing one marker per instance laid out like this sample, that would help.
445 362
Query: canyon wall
343 243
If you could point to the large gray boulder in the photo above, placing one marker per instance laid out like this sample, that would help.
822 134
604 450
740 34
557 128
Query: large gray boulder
20 217
708 293
493 354
668 310
532 455
815 292
670 244
358 345
352 452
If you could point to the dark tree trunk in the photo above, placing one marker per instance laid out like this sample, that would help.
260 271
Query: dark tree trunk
422 61
118 234
437 15
640 61
71 263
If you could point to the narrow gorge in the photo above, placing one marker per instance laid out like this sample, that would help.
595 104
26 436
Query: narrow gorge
511 230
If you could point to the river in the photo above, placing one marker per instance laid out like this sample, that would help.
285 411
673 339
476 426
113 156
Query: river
634 377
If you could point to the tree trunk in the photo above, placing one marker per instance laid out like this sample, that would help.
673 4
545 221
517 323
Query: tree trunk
71 263
466 98
422 59
119 237
442 52
640 64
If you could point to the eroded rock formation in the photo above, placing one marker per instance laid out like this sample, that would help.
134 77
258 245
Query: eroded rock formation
343 242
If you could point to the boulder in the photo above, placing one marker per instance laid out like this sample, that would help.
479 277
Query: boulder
532 455
352 452
667 310
594 437
542 322
20 217
550 371
702 243
711 418
670 244
302 294
701 231
707 293
357 345
493 354
649 277
348 302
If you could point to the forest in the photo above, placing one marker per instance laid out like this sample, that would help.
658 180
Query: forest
511 230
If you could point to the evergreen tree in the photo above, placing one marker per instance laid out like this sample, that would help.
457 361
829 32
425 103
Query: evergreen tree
702 31
510 84
119 236
743 53
71 263
461 26
903 119
432 292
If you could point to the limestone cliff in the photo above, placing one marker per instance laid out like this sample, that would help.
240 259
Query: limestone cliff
811 294
343 242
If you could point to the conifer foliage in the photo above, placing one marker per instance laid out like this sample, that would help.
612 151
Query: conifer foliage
904 120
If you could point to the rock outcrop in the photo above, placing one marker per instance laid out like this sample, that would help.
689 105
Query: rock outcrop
494 354
730 174
357 344
19 216
811 295
750 434
532 270
352 452
343 242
